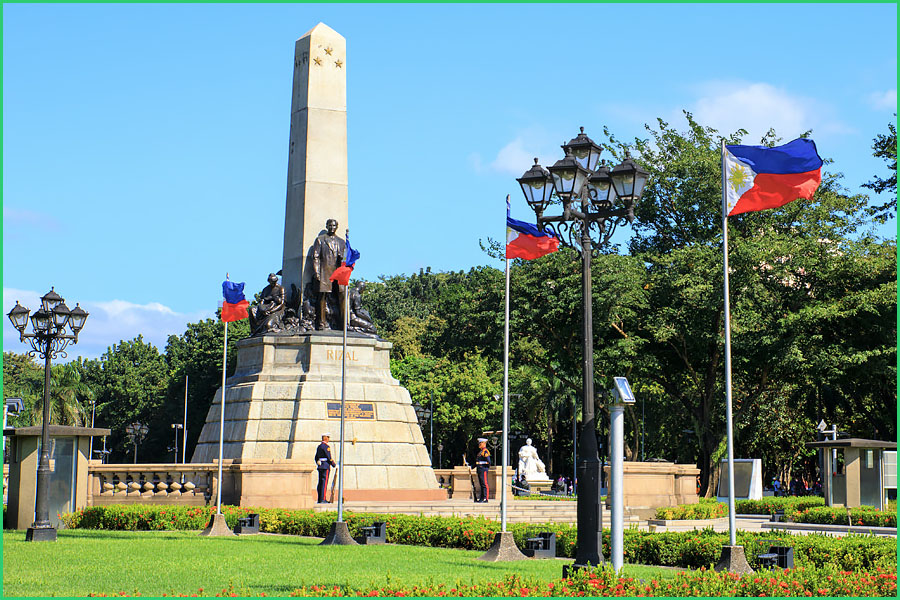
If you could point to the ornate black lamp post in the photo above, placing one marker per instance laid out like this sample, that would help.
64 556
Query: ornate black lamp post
423 414
49 340
136 432
594 202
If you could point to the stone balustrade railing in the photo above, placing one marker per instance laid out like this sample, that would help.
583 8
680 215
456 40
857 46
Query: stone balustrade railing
188 484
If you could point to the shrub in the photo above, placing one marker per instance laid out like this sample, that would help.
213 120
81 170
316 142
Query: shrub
862 515
770 504
547 498
687 549
143 517
706 509
605 582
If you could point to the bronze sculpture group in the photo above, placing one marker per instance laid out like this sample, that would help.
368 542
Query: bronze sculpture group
320 307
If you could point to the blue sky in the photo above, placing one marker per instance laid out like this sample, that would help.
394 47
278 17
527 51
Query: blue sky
149 142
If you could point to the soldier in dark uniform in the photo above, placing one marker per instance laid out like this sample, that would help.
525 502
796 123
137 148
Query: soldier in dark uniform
324 463
482 464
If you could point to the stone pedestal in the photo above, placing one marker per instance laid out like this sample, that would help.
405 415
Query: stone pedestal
286 392
503 549
217 527
733 560
539 485
649 485
338 535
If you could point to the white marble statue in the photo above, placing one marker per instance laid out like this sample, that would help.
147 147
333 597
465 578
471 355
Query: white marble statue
530 466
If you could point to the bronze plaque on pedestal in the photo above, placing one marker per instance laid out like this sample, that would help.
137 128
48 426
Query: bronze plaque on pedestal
354 411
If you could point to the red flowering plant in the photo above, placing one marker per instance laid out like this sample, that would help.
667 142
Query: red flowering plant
604 582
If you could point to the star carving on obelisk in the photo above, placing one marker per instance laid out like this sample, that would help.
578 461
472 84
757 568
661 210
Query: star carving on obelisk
318 61
328 51
338 63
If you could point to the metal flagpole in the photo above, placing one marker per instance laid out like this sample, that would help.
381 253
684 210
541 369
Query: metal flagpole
505 405
728 427
222 423
340 473
184 426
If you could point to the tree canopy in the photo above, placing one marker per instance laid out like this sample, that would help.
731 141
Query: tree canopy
813 314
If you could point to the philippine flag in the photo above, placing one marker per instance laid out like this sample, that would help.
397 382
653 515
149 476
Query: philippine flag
758 177
342 273
525 240
234 308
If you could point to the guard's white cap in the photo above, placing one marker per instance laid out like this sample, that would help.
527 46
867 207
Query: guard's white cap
482 440
326 434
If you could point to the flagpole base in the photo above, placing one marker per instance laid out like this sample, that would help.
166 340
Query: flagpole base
217 527
339 535
503 549
733 560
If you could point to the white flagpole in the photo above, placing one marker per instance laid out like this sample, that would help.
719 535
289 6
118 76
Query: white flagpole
222 423
505 461
340 473
728 427
505 407
184 426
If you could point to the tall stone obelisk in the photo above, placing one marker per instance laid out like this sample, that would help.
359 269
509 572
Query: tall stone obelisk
287 390
317 160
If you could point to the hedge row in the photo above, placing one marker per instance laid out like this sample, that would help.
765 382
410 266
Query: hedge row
803 509
687 549
770 504
605 582
705 509
827 515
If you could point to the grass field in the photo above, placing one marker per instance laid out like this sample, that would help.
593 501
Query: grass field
167 562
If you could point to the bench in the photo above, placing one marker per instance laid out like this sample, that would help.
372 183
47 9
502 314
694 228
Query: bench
776 556
247 525
541 546
376 533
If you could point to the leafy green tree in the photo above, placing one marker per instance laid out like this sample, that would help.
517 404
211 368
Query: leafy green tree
129 382
23 378
463 393
885 147
70 396
779 263
197 354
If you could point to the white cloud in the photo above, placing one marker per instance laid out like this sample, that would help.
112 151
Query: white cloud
513 158
518 155
756 107
109 323
883 100
17 219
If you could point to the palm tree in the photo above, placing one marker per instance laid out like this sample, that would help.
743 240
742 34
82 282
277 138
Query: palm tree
67 394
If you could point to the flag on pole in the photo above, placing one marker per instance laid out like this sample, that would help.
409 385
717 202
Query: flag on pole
342 273
758 177
234 308
525 240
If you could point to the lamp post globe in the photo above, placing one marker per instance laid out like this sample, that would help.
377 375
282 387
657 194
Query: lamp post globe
53 328
594 200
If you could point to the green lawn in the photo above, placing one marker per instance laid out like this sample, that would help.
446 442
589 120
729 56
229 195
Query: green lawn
167 562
